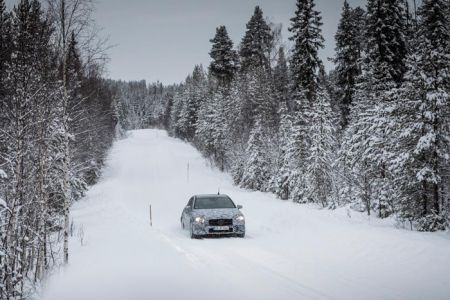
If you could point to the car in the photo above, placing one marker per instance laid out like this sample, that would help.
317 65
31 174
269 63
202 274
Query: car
206 215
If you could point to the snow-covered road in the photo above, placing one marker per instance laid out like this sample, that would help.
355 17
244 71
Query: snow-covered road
290 251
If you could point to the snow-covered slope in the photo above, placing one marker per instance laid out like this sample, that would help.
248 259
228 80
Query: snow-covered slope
290 251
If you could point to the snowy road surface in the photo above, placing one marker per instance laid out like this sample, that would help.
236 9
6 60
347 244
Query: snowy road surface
290 251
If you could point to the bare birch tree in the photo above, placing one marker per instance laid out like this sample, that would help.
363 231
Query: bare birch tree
71 18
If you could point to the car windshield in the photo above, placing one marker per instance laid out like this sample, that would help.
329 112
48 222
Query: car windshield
213 203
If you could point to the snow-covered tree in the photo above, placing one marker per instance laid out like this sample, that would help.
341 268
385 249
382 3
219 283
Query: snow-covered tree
224 62
281 81
28 106
256 168
385 34
175 113
305 61
5 43
33 140
305 65
280 181
192 97
257 99
257 43
321 154
213 127
370 136
348 54
422 152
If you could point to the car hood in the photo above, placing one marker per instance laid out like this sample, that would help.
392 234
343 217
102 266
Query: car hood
223 213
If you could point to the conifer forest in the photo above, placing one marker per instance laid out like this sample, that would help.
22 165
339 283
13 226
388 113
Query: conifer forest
373 132
371 135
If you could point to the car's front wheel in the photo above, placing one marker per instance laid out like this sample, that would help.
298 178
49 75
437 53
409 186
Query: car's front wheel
182 223
193 235
241 235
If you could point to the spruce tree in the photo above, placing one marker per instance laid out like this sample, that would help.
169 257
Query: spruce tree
192 97
5 43
280 181
258 99
359 175
305 61
224 59
213 127
386 40
281 81
256 169
372 128
176 118
305 65
256 44
348 54
321 154
422 161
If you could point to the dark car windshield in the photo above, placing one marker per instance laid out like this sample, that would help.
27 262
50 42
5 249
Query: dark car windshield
213 203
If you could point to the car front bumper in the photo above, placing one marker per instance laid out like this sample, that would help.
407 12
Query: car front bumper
205 229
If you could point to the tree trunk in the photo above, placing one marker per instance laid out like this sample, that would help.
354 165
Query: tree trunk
66 162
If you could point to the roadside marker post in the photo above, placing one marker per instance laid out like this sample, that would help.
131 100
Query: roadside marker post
151 222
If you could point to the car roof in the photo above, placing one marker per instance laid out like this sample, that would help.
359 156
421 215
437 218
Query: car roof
211 196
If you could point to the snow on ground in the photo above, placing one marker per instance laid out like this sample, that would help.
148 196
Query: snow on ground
290 251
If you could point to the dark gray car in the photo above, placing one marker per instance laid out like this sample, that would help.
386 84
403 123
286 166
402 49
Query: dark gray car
213 215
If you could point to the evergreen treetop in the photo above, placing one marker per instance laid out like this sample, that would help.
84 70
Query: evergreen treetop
224 59
308 39
257 43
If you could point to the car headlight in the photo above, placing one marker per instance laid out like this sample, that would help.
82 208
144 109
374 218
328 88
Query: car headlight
240 218
199 220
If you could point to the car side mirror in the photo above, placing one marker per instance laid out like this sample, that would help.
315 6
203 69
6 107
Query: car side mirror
239 207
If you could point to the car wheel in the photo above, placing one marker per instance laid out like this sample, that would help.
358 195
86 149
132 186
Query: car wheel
193 235
182 223
241 235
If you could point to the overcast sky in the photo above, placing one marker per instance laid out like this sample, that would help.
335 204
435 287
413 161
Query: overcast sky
163 39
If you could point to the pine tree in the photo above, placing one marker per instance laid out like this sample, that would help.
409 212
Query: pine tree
5 44
196 96
213 127
359 173
372 127
236 128
190 100
258 100
305 65
320 161
280 181
305 61
256 169
386 44
256 44
281 81
74 64
422 160
177 109
347 59
224 59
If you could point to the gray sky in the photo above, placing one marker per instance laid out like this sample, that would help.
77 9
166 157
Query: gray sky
164 39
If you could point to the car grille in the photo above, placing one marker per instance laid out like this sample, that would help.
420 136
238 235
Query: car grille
212 230
220 222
